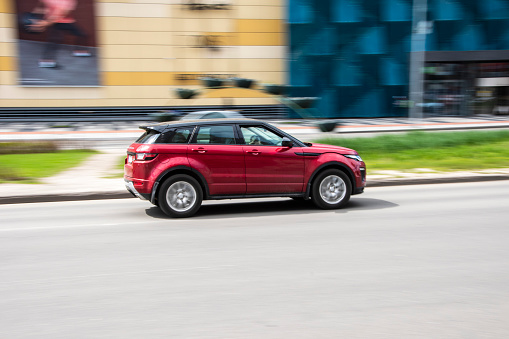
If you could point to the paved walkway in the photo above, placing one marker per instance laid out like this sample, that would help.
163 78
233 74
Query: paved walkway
92 179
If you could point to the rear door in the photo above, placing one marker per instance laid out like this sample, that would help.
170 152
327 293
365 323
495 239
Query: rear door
172 146
215 153
270 167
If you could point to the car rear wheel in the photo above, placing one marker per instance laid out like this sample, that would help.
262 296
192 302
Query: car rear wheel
180 196
331 189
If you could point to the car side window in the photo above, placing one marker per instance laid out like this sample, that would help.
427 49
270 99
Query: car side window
148 137
218 135
259 135
176 136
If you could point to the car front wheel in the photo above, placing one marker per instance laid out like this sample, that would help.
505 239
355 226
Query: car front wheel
180 196
331 189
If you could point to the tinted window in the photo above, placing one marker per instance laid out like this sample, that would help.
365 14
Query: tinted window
259 135
176 136
148 137
216 135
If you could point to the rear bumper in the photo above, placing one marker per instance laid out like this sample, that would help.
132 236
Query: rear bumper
130 187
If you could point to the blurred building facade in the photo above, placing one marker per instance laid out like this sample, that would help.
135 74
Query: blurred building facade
355 55
146 49
352 54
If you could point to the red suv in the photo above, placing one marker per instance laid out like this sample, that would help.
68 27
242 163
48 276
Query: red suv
176 165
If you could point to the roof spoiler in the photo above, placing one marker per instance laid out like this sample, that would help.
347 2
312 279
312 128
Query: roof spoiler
155 128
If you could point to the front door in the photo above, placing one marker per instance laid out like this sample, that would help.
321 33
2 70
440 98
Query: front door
270 167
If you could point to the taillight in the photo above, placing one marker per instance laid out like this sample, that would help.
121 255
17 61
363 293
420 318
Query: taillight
145 156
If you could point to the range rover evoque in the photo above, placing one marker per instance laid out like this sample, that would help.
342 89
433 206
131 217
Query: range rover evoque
176 165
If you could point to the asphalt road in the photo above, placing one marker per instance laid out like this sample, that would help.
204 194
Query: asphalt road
428 261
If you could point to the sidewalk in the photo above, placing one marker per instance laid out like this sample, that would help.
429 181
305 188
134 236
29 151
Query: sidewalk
90 180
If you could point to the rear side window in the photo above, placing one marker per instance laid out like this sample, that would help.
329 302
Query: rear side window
148 137
219 135
176 136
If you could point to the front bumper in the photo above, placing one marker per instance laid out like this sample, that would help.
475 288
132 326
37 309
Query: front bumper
360 189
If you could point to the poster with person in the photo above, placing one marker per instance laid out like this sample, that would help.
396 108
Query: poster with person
57 43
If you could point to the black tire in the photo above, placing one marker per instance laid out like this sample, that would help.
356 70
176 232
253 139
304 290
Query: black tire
180 196
335 187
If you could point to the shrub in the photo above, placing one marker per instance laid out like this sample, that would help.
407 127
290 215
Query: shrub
28 147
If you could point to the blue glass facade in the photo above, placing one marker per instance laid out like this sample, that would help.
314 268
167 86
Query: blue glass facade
354 54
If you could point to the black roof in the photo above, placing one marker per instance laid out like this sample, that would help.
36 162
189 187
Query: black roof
163 125
160 127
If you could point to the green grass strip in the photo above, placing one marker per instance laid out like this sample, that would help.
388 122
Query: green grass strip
28 168
443 151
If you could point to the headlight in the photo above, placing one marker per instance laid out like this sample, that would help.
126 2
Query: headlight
353 156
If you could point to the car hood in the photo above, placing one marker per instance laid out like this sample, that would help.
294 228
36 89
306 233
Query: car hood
322 148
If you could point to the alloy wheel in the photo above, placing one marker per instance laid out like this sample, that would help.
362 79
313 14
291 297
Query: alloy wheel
181 196
332 189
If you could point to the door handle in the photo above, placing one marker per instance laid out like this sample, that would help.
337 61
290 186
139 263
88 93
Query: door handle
254 152
199 150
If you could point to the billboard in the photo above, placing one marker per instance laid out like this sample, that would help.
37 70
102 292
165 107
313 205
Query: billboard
57 43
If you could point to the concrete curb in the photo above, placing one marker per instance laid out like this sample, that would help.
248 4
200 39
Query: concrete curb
437 180
123 195
55 197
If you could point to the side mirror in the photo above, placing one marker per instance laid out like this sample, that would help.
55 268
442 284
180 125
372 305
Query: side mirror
287 142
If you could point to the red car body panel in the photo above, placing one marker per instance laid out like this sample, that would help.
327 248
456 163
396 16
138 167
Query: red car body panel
222 166
145 173
333 154
274 169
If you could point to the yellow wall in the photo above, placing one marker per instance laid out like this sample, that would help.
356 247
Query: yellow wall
146 45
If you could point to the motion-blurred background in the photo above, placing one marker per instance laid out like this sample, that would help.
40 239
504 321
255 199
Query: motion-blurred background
356 56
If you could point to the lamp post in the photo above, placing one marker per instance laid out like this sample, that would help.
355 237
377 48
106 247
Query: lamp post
420 27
